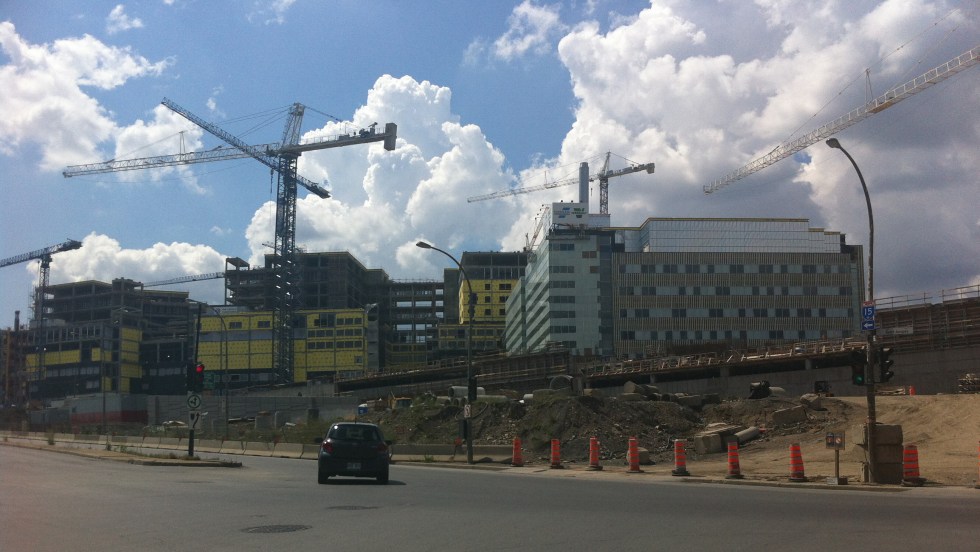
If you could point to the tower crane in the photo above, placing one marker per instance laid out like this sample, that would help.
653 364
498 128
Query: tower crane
877 105
602 176
43 255
282 158
185 279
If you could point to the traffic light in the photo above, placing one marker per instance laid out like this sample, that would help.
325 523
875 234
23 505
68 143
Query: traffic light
859 364
195 377
885 363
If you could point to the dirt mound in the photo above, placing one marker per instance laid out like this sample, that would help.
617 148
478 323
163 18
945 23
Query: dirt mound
945 428
572 420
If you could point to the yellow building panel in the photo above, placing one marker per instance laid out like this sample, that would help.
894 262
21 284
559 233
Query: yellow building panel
130 371
260 347
208 349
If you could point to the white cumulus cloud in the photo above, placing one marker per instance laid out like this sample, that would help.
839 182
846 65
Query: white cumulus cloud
117 21
43 99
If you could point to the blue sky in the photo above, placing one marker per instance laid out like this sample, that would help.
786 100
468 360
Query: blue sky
486 95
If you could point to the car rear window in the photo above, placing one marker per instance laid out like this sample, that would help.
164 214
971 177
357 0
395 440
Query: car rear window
354 433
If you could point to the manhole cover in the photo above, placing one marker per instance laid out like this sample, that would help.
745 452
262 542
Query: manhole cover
352 508
277 528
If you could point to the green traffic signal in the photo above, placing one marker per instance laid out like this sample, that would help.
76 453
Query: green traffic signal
859 364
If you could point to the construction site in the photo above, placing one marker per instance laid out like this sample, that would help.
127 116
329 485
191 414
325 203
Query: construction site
703 310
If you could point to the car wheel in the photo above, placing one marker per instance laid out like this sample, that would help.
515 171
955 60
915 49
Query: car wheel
383 478
322 477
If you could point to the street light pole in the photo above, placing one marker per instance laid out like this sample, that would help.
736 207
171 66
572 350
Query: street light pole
470 379
869 376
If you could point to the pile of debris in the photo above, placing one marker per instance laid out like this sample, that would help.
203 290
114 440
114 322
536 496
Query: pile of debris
612 416
969 383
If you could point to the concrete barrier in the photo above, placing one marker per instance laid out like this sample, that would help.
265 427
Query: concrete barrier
258 449
64 437
151 442
311 451
207 445
288 450
169 443
496 453
422 453
232 447
126 441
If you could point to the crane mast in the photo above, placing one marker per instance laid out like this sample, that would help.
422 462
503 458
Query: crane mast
602 176
43 255
282 158
877 105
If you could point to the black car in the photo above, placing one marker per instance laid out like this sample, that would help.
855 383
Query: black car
355 449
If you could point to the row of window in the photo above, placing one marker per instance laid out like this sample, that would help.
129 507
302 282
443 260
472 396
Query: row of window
725 291
733 269
347 332
331 320
728 335
737 313
502 286
354 344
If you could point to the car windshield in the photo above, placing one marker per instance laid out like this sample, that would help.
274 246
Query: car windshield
354 433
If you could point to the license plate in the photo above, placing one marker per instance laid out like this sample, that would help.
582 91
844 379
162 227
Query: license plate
354 466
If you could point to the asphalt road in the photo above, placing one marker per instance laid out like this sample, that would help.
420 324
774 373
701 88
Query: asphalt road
52 501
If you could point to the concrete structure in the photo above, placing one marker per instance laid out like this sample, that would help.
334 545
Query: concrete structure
349 321
673 286
493 276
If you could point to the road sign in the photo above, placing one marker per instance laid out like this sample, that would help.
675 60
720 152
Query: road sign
868 325
868 312
193 419
193 401
835 441
466 411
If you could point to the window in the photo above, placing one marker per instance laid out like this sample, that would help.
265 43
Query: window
264 324
234 325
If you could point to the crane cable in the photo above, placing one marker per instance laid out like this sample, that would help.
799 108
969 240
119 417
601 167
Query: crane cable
867 72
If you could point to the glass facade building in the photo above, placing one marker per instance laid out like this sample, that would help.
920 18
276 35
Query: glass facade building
682 285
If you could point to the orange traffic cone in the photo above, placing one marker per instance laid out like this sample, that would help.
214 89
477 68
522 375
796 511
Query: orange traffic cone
734 470
517 458
556 454
594 454
796 474
910 467
680 458
633 456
